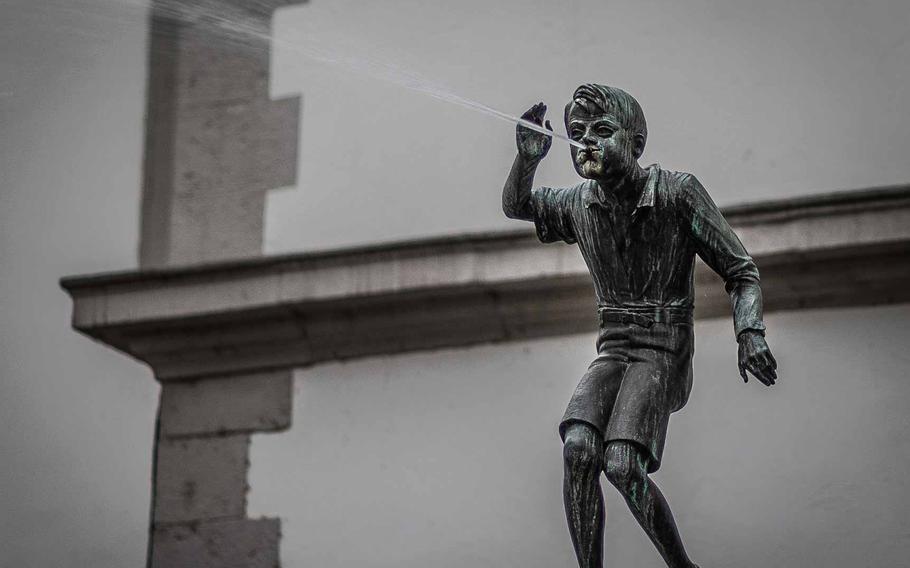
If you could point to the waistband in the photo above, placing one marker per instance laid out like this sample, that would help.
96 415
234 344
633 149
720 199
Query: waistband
645 316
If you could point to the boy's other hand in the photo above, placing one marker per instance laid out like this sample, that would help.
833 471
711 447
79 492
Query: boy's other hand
756 358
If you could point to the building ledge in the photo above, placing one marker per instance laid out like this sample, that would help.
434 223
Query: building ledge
842 249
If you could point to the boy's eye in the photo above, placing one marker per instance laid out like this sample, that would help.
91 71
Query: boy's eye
604 131
576 133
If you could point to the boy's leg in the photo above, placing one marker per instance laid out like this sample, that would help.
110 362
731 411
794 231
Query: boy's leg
626 466
583 455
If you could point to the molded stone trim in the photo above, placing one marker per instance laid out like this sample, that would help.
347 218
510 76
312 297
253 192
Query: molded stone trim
845 249
258 402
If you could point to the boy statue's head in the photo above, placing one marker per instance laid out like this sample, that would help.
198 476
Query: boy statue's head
611 125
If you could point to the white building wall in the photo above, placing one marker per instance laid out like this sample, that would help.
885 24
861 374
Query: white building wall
452 459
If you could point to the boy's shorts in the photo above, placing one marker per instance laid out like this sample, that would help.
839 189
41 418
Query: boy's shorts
641 375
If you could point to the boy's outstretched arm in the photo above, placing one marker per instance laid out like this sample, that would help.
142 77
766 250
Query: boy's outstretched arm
532 147
722 250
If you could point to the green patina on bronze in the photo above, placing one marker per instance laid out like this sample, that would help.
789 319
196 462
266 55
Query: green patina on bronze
639 230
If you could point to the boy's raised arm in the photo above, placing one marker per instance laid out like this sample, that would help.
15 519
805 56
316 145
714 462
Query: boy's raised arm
532 147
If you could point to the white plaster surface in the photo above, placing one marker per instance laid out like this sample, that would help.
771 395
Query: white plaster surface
199 479
759 99
76 418
245 543
452 459
260 401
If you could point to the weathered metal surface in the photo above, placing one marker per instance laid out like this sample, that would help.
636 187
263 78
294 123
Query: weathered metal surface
639 231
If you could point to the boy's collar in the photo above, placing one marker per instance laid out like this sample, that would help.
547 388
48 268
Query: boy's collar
645 200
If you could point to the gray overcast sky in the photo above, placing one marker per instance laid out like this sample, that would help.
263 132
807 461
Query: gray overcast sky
77 417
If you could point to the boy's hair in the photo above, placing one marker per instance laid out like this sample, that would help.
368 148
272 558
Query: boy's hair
601 99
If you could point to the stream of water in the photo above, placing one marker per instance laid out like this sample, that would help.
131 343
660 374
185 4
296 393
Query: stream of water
243 25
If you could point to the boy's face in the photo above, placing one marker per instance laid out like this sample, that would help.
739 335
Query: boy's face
609 153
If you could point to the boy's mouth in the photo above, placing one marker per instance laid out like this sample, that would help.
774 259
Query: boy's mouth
588 155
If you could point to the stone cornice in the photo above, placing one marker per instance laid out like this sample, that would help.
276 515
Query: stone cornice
842 249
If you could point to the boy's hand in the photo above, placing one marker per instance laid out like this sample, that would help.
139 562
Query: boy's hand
533 146
756 358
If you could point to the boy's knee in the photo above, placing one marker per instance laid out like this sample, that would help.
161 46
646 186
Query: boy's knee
623 464
582 448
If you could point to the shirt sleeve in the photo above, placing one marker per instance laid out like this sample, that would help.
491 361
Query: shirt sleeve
722 251
553 214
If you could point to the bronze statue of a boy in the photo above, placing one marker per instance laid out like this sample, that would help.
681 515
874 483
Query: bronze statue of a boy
639 230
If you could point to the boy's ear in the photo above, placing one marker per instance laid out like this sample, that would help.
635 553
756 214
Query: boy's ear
638 146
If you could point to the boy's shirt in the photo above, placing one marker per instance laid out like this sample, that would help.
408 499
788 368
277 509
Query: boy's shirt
647 259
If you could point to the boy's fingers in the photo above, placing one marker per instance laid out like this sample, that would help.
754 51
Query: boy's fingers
767 366
764 375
